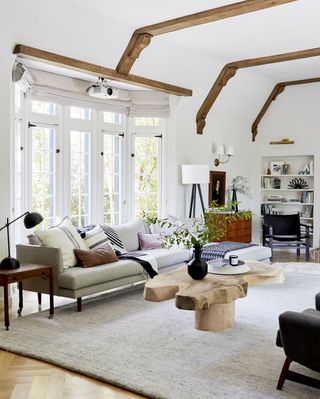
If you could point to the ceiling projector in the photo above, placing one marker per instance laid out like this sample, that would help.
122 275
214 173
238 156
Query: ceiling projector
102 90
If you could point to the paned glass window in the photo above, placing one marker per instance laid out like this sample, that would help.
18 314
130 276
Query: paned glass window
150 122
80 177
81 113
43 107
111 178
146 180
44 173
112 117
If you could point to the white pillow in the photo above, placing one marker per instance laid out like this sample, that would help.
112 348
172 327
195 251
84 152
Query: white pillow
65 237
95 237
128 233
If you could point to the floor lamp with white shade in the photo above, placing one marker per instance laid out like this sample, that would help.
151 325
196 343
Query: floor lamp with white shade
195 175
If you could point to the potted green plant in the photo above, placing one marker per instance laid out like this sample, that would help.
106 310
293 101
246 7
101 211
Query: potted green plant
193 236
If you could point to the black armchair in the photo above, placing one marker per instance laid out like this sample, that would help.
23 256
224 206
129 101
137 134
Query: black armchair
286 231
299 336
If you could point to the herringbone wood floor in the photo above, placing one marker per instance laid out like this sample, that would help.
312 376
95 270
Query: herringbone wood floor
24 378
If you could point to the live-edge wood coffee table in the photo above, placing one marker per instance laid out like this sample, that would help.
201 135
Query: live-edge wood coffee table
213 298
25 272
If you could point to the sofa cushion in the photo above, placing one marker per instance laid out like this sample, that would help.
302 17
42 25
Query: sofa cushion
65 237
100 255
128 233
149 241
114 239
79 277
168 257
95 237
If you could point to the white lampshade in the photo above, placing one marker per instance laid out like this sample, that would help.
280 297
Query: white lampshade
230 150
195 174
220 149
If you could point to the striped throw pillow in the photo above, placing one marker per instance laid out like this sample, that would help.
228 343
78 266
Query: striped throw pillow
65 237
114 239
95 237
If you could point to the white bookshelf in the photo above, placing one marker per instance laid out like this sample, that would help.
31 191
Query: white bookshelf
275 186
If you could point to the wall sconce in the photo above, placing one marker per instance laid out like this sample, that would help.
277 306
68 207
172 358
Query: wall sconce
223 156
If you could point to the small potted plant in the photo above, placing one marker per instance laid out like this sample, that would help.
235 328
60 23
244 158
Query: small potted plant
194 236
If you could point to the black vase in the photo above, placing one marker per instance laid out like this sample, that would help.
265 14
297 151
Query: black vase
197 268
234 206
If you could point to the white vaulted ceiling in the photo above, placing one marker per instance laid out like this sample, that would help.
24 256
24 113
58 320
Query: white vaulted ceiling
289 27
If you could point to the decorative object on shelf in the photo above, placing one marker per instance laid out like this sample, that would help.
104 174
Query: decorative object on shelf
276 167
285 168
305 170
307 197
239 185
282 141
223 155
306 211
268 171
195 175
297 183
276 183
31 219
217 188
193 236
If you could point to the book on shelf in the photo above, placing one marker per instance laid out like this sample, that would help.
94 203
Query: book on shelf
307 197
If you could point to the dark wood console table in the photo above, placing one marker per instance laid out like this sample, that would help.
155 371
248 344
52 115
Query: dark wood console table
25 272
227 227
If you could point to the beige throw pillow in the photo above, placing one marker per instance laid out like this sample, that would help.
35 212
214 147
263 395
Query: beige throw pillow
65 237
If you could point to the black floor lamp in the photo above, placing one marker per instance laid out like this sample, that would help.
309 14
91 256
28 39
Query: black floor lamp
31 219
195 175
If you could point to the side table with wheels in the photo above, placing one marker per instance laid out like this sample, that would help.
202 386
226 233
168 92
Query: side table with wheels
25 272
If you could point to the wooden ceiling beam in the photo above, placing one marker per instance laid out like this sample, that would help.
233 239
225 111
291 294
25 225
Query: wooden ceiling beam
247 63
278 89
141 38
97 70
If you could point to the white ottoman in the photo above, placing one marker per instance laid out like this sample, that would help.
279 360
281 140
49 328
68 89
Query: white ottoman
257 252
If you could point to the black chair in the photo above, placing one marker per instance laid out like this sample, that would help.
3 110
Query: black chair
286 231
299 336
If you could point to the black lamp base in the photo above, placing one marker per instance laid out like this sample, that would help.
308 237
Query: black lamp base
9 263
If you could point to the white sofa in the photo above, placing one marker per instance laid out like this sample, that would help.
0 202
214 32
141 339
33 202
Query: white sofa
77 282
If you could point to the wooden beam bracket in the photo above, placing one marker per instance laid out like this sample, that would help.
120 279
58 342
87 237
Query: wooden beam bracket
278 89
225 75
138 42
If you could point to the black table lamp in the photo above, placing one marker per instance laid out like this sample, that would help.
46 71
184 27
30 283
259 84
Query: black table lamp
31 219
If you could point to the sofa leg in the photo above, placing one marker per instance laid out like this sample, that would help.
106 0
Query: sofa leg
79 304
283 374
39 300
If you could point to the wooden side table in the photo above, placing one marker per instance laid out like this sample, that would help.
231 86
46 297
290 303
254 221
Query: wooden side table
25 272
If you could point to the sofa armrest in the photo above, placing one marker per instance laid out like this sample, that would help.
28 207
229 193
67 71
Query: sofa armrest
41 256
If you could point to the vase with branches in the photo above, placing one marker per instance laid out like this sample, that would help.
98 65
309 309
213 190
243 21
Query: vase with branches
193 237
239 184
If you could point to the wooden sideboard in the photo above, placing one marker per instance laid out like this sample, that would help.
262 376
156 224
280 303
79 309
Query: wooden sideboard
229 227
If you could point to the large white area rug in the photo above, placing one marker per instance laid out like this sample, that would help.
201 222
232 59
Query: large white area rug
153 348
